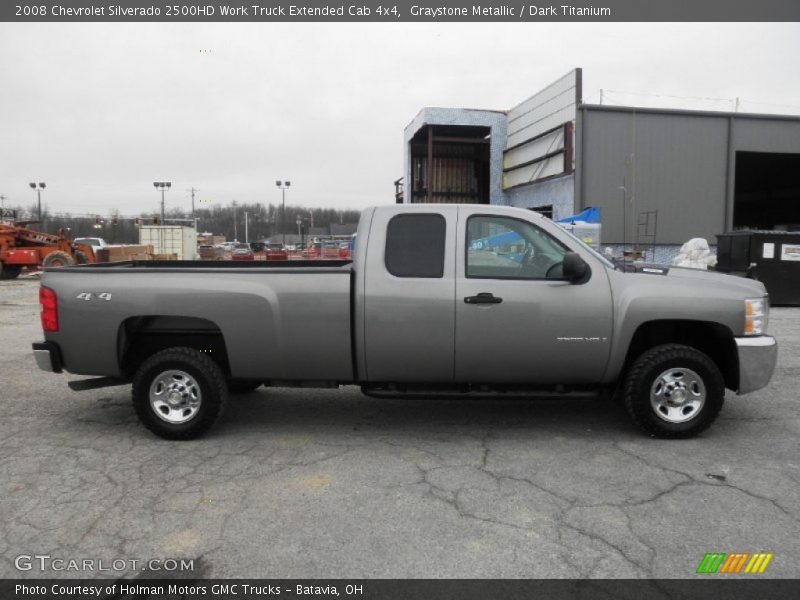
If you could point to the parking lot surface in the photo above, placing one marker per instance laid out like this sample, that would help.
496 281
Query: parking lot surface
320 483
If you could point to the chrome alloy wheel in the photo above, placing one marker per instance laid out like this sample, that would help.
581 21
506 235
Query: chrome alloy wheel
175 396
677 395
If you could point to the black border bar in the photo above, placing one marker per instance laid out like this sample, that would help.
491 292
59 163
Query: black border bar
393 11
709 587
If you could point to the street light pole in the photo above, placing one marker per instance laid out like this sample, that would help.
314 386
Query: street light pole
283 186
299 222
163 186
38 187
235 228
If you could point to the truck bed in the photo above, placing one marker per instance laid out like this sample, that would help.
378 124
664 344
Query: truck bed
278 321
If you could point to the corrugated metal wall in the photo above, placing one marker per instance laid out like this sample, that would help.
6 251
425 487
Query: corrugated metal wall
677 162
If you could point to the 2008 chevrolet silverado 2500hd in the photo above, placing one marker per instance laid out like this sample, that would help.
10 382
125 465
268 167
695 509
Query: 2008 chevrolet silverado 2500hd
438 299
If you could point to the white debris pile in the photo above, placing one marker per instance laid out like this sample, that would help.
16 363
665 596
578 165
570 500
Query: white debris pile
695 254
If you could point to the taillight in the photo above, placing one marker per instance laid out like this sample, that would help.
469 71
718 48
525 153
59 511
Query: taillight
49 302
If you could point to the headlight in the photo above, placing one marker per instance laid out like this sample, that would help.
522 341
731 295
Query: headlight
756 312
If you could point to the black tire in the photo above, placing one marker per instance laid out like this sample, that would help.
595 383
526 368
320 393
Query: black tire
209 380
81 258
242 387
9 271
58 259
693 367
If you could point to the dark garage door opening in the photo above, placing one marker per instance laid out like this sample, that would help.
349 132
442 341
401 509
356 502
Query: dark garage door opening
767 191
450 163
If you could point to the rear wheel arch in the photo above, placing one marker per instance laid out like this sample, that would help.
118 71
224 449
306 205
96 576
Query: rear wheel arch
142 336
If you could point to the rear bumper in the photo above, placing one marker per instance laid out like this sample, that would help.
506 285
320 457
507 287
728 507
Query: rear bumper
48 356
757 358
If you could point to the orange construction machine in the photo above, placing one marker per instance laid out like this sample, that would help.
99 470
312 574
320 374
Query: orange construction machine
21 247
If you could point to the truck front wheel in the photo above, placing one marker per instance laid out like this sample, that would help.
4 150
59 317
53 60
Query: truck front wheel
673 391
179 393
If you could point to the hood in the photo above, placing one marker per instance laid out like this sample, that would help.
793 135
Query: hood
749 288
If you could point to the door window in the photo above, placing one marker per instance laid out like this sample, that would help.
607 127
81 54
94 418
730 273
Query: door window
508 248
415 245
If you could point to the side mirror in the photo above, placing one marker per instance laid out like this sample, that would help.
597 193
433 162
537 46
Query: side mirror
574 268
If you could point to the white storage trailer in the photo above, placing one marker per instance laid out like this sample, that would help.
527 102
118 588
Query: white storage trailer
170 239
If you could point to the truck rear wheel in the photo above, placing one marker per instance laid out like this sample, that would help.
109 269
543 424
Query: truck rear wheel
673 391
179 393
9 271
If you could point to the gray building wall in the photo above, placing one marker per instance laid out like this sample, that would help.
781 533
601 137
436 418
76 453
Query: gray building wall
558 192
681 163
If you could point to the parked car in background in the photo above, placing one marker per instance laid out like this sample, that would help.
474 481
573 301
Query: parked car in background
258 246
94 242
242 252
325 249
277 252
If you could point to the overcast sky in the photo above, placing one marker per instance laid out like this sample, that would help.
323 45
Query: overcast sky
100 111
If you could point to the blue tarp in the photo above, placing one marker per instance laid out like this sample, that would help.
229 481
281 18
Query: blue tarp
501 239
590 215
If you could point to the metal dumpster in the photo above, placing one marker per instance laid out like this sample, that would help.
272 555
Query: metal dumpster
772 257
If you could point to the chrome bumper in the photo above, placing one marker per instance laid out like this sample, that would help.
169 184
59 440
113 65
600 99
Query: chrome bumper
48 357
757 358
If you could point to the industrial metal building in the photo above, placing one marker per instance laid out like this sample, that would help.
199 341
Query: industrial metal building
659 176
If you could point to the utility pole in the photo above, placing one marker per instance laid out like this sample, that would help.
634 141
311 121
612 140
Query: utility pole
246 238
2 203
193 190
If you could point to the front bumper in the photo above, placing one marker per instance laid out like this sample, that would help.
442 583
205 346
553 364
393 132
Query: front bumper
757 358
48 357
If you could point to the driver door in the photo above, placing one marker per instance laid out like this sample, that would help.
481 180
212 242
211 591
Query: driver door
517 319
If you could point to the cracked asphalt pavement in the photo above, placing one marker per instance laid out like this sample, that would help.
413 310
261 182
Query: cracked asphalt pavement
330 483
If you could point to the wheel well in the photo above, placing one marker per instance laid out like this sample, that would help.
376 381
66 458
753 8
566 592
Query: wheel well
141 337
713 339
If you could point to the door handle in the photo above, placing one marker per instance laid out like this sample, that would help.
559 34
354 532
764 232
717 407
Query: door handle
483 298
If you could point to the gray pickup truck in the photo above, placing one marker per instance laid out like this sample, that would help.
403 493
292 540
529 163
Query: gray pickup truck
438 299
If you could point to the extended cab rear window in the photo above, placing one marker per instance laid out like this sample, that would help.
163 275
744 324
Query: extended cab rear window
415 245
